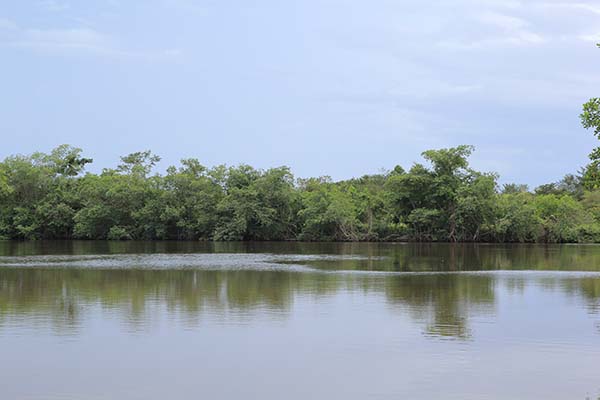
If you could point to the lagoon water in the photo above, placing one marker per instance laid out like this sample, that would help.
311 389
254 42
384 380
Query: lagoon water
183 320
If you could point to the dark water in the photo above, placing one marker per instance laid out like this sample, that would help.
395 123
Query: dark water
112 320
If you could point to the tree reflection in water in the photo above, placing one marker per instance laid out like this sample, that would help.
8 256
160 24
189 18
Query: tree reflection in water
443 303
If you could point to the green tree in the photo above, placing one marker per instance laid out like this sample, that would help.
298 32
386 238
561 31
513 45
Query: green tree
443 202
561 217
187 206
113 202
516 219
37 193
590 119
328 212
48 196
258 205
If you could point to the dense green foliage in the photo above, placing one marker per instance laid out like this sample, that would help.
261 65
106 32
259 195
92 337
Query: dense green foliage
590 119
48 196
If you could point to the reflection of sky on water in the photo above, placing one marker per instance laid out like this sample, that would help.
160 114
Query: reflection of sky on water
162 320
271 333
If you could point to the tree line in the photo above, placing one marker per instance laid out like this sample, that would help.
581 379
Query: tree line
49 196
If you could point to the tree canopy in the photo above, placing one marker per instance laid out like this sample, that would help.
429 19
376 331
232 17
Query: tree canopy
50 196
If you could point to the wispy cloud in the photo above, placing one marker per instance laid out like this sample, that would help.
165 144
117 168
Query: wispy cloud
581 24
515 30
503 30
73 40
592 37
503 21
590 7
54 5
520 39
77 38
6 24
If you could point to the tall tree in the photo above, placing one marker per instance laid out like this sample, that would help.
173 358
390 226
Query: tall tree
590 119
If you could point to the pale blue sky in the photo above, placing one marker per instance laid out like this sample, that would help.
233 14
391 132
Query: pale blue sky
337 87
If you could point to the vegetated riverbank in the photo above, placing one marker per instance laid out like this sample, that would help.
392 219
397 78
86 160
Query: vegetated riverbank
47 196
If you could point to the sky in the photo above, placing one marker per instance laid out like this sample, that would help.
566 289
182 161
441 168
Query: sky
328 87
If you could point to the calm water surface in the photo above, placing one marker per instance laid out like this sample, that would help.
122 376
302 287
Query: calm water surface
137 320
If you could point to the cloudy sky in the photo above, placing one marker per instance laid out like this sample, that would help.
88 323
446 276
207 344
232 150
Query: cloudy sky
336 87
